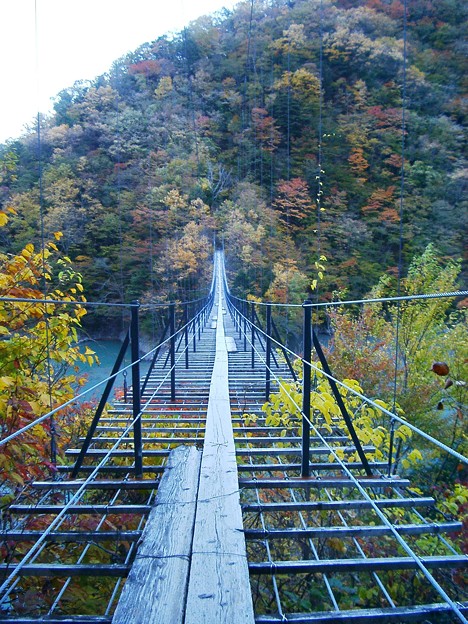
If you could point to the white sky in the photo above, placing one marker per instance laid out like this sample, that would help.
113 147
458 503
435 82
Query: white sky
75 40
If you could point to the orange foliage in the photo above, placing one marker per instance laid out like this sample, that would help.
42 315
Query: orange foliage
293 201
381 204
357 161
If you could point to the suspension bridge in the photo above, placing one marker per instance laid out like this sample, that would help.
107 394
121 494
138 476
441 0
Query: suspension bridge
184 503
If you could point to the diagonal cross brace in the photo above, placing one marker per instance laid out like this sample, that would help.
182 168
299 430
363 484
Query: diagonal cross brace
102 404
340 403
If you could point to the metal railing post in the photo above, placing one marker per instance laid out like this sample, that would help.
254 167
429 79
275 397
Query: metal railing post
307 369
172 348
268 353
244 308
252 338
186 341
136 409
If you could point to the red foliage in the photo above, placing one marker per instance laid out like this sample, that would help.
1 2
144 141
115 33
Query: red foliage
147 68
293 201
386 118
265 130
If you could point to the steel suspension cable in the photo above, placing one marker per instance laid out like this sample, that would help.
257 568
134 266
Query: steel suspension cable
52 430
400 242
318 176
328 304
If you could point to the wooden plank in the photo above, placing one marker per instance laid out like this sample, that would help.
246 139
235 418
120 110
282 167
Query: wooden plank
71 536
230 344
52 570
219 587
156 588
113 469
313 466
319 450
398 615
119 453
98 484
62 619
190 439
153 429
264 439
80 509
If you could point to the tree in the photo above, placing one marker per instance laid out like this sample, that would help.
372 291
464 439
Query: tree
432 330
38 348
293 202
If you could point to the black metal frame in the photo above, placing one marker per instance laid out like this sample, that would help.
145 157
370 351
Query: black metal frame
132 339
238 309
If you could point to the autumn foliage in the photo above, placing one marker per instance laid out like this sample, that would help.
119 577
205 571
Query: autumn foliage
38 356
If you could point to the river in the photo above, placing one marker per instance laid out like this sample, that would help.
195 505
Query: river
107 351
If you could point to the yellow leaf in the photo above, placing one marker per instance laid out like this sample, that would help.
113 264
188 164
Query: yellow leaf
58 235
3 219
16 478
5 382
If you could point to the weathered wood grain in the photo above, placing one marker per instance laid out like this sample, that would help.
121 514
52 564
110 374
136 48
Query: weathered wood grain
219 589
156 588
231 344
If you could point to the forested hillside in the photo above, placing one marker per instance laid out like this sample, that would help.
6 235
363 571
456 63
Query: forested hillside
320 144
276 130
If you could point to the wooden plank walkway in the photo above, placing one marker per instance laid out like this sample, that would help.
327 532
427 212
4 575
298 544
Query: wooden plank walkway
219 588
156 587
191 565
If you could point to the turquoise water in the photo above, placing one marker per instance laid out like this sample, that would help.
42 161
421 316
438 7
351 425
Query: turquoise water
107 351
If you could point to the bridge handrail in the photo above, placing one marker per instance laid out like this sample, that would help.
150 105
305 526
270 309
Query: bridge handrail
134 305
305 362
440 295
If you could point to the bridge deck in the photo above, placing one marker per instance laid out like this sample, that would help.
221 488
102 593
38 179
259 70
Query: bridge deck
219 589
199 530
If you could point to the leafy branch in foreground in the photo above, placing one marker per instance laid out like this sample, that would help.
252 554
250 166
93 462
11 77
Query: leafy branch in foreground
371 425
39 356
